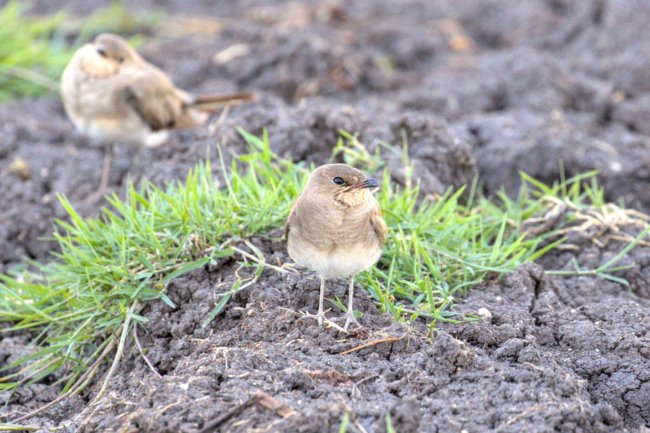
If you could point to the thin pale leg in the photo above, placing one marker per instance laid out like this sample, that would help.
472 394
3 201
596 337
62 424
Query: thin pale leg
349 315
106 172
320 317
134 156
321 300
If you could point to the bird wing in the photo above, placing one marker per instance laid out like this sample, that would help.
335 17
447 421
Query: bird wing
378 224
292 216
154 97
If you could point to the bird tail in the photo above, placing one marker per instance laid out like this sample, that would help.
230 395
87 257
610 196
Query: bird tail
215 102
200 108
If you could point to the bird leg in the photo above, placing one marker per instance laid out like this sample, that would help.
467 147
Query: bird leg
134 161
321 299
321 310
135 157
106 170
106 174
349 314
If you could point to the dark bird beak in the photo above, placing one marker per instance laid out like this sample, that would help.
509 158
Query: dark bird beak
371 182
368 183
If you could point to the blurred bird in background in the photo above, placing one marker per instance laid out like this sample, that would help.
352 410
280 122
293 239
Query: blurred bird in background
115 96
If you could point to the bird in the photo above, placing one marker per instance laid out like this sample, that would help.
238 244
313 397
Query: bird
114 96
336 228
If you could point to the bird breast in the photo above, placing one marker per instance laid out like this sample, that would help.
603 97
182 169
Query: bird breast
334 242
97 106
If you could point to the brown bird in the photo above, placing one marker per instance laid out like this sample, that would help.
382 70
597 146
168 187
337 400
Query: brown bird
335 227
114 95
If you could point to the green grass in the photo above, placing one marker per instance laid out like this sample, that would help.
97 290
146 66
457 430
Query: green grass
108 266
345 422
82 306
389 424
34 50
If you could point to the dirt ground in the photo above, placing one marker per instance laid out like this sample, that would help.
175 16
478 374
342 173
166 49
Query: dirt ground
474 86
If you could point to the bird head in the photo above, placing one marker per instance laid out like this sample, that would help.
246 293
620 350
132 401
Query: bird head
343 184
106 54
113 48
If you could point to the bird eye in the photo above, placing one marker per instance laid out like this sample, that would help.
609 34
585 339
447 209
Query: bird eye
338 180
101 52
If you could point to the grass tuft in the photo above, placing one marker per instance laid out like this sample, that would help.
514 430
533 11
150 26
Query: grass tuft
78 303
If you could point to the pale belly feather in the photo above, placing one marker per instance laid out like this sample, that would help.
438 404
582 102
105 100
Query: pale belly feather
341 262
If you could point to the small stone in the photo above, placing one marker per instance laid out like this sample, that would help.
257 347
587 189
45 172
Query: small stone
485 313
20 169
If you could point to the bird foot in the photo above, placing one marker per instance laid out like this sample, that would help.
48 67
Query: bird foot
349 318
320 317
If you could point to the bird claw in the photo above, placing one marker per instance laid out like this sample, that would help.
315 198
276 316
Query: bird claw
320 317
349 318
